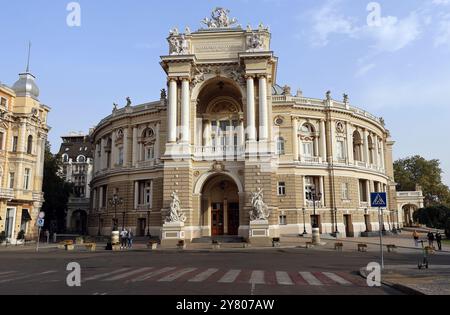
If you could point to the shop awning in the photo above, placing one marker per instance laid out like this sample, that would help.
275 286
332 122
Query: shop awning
26 215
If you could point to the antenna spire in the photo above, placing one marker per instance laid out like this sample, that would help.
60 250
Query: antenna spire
29 54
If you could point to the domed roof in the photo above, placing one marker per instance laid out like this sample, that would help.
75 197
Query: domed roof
26 86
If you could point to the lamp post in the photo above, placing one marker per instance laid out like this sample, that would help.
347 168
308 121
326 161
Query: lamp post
115 202
315 228
399 230
304 222
366 212
335 222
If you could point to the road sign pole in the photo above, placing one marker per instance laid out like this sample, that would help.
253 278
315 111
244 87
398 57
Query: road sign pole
39 237
380 213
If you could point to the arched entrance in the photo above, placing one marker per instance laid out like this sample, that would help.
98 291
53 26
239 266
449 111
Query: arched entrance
79 222
220 205
408 214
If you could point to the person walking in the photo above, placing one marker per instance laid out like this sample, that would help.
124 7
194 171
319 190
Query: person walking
123 239
130 239
416 238
439 240
431 239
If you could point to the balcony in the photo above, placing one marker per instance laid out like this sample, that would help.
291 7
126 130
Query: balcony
146 164
310 204
311 160
6 193
219 152
410 194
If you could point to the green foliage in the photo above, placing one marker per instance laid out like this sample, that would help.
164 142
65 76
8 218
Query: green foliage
433 217
56 192
417 170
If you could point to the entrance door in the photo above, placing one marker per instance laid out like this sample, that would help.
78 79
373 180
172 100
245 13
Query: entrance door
217 222
142 225
9 223
233 219
348 225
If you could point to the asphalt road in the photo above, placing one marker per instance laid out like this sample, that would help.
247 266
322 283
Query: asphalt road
251 272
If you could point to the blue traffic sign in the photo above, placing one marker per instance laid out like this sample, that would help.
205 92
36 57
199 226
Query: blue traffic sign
40 222
378 200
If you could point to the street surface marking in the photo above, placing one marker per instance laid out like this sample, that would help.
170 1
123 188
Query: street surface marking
104 275
128 274
177 275
204 275
336 278
257 277
153 274
6 273
230 276
309 277
28 276
283 278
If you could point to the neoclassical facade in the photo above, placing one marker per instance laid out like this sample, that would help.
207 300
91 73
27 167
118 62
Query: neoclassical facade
23 134
224 130
77 159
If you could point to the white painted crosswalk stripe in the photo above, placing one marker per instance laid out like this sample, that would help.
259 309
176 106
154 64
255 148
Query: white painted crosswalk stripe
176 275
283 278
230 276
337 278
204 275
7 273
127 274
28 276
257 277
104 275
153 274
309 277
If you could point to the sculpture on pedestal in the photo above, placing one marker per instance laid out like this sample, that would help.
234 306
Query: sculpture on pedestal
175 215
219 19
179 45
260 210
255 42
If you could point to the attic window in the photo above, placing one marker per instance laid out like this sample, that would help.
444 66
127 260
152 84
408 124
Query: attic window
67 149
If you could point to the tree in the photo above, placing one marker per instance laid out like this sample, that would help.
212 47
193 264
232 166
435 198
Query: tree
417 170
437 217
56 192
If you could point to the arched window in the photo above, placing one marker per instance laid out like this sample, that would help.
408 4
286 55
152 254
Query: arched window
280 146
309 141
65 158
357 146
30 144
148 144
81 159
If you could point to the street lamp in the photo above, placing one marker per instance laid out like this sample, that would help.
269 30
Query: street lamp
115 202
315 227
304 222
335 221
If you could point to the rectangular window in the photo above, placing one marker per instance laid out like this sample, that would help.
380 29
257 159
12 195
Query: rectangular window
104 196
3 102
26 179
281 189
345 191
363 190
14 144
120 161
340 150
150 153
308 149
283 220
11 180
146 194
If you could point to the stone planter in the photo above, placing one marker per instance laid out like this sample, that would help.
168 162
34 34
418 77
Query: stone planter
215 245
69 247
181 245
79 241
152 246
91 247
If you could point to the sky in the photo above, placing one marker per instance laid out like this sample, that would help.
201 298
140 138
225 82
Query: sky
391 57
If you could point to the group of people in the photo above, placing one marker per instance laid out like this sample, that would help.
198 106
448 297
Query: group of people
431 239
126 239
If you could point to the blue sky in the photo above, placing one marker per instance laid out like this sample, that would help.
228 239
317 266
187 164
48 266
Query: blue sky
399 70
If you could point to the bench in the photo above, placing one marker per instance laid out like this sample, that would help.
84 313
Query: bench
391 248
276 242
362 248
338 246
215 244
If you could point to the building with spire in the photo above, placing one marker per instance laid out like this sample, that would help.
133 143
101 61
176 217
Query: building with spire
23 135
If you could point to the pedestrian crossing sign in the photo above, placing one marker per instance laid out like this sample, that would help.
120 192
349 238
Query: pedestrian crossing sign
378 200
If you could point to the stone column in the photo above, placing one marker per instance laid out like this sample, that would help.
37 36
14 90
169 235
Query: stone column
323 141
316 146
368 191
333 139
295 144
114 151
322 190
241 133
125 147
382 164
96 158
185 111
351 158
22 141
136 195
103 162
366 147
375 156
158 142
135 146
172 112
100 198
251 121
263 109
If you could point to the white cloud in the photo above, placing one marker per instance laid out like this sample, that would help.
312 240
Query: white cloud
364 69
442 37
441 2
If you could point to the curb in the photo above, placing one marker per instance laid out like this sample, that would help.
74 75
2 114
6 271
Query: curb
399 287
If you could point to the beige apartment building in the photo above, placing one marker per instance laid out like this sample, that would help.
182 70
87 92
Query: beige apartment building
226 129
23 134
